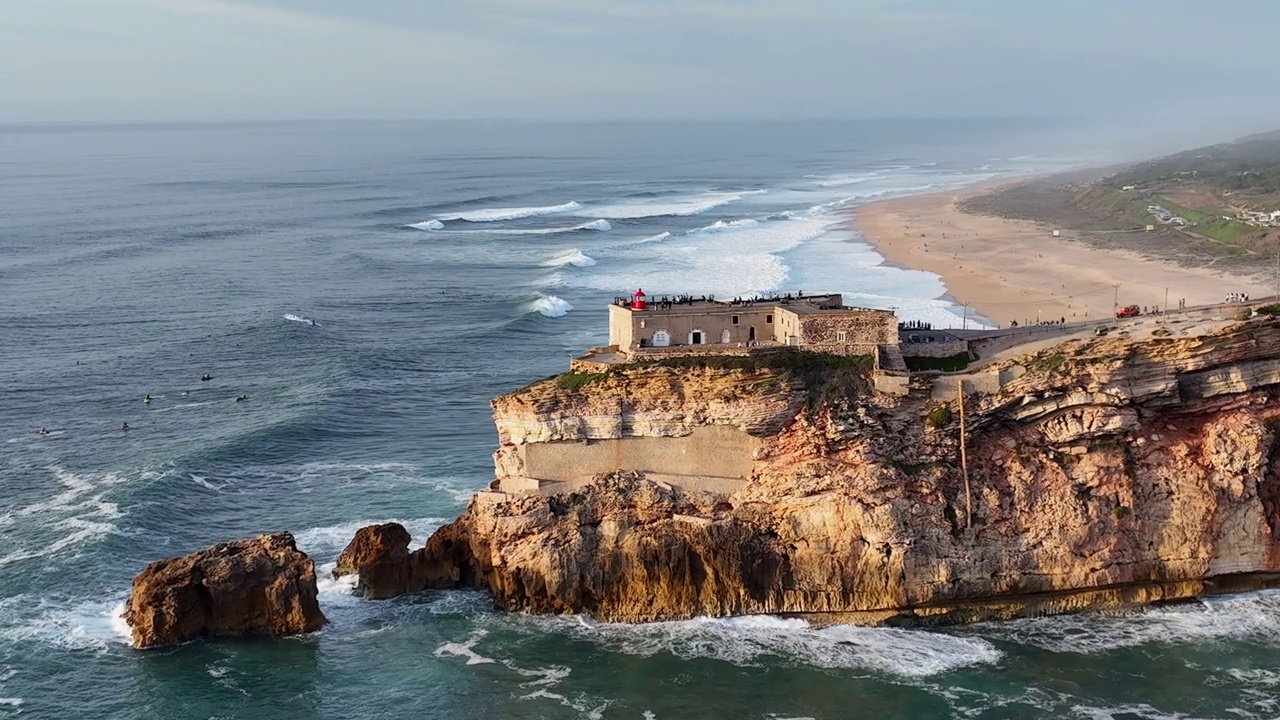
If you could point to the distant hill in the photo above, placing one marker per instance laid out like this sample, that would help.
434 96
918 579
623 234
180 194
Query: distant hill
1212 204
1248 167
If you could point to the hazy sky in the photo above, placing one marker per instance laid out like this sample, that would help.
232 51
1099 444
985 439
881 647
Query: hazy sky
619 59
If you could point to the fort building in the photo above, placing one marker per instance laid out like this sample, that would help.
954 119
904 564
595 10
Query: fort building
641 327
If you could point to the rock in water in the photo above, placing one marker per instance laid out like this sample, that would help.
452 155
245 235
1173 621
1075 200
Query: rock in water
380 555
258 586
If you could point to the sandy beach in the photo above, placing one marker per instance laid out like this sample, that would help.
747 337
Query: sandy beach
1016 270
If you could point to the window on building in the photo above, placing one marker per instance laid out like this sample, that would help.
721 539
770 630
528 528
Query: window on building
842 336
768 318
735 319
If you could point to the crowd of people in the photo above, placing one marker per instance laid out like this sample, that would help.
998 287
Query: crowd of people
1038 323
666 302
1237 298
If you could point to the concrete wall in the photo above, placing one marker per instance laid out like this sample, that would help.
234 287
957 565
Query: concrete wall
712 451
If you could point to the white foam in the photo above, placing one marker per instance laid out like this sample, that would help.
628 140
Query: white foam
80 513
548 306
427 225
726 259
501 214
594 225
843 180
755 640
1126 712
1253 616
671 208
466 650
335 592
326 542
574 257
201 481
299 319
87 625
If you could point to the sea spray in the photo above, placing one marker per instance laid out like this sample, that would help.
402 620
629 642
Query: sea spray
548 306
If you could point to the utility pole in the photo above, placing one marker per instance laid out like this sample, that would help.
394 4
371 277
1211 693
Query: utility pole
964 462
965 323
1166 302
1115 304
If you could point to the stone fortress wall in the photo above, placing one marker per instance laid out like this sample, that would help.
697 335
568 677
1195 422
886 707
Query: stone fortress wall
816 323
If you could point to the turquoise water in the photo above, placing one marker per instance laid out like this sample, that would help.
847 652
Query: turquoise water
371 287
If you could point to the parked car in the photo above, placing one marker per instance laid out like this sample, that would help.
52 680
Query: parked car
1129 311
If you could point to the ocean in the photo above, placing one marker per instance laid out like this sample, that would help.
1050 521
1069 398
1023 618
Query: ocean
369 287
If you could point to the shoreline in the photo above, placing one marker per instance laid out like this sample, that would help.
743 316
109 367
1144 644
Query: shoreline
1009 270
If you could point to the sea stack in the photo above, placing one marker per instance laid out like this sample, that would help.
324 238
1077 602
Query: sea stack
256 586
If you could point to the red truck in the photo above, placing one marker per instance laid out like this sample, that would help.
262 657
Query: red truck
1130 311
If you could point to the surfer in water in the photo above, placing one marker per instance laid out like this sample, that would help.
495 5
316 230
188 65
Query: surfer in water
43 431
242 398
146 398
206 377
125 427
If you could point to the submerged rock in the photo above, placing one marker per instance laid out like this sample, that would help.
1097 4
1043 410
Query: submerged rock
257 586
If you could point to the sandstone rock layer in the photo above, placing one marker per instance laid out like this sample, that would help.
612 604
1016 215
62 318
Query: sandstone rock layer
1104 473
258 586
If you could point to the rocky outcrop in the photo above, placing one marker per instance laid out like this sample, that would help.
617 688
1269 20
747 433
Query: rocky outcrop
1105 472
259 586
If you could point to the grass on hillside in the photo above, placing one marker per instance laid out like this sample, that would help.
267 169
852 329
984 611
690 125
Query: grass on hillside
952 363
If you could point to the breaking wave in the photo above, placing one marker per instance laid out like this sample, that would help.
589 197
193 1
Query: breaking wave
574 257
547 306
501 214
1254 616
596 225
427 225
757 640
678 208
299 319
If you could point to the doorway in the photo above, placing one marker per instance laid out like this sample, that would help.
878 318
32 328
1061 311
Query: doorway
751 333
695 337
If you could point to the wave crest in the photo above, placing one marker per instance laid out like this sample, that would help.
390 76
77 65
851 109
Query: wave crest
677 208
501 214
547 306
574 257
595 225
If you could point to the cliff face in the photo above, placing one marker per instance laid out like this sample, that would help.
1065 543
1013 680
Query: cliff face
1104 472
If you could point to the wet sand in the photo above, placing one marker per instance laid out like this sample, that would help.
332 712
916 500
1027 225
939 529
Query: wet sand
1016 270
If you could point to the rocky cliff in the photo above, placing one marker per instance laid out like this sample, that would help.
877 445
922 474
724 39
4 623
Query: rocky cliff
1099 473
259 586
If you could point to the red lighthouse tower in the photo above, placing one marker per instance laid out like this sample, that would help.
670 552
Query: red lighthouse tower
638 301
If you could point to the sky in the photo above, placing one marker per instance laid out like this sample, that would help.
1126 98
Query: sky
1156 61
